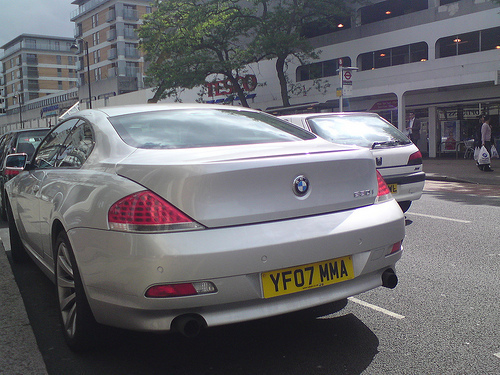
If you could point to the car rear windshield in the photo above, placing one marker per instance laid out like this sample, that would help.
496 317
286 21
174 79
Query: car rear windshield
28 141
363 131
203 128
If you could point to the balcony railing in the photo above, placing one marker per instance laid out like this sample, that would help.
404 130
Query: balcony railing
111 34
130 34
112 54
130 15
131 53
111 15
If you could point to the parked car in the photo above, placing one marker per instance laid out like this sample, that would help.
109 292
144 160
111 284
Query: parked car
398 160
180 217
17 141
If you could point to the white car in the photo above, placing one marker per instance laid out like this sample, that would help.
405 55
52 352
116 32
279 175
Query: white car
179 217
398 160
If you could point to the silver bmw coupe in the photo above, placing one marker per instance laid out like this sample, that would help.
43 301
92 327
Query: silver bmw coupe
179 217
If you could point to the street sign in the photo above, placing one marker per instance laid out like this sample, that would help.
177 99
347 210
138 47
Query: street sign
347 75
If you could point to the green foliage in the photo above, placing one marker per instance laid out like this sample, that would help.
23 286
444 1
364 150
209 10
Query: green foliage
187 41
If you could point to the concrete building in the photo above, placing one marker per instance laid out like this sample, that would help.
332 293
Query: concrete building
106 33
35 66
439 58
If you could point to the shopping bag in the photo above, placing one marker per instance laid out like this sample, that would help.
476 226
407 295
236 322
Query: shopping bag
484 156
494 152
476 153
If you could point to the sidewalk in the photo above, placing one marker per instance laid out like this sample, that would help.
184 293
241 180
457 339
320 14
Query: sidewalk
461 170
19 353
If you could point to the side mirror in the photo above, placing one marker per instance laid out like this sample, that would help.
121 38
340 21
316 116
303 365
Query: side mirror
15 164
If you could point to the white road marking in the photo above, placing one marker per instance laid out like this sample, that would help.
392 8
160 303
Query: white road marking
376 308
497 355
440 218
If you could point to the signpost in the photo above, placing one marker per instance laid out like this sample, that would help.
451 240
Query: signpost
345 74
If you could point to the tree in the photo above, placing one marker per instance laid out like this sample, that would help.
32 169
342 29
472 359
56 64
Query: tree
280 28
187 41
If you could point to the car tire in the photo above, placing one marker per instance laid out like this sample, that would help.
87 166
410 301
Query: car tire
404 205
17 249
78 323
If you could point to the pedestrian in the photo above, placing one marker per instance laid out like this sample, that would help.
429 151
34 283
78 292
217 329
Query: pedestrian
413 128
486 140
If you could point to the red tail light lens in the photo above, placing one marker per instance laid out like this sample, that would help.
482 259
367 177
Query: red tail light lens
12 172
384 194
181 290
415 158
396 247
147 212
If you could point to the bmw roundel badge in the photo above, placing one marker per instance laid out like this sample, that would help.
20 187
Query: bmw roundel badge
300 185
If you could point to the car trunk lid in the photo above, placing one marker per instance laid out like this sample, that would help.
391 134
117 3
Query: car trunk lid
235 185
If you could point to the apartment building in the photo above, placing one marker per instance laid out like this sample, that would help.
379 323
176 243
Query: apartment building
35 66
106 32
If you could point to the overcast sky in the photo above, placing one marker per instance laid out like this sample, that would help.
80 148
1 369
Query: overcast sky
44 17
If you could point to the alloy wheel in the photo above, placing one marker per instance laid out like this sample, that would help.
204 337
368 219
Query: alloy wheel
66 289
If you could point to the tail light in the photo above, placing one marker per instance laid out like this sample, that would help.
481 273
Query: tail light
181 290
12 172
396 247
415 158
147 212
383 194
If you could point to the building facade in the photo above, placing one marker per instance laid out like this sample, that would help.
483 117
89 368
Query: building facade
438 58
35 66
106 31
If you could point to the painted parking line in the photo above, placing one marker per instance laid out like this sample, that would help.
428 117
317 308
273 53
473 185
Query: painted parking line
440 218
376 308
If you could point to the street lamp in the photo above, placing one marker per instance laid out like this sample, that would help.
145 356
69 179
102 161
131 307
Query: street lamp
19 97
74 48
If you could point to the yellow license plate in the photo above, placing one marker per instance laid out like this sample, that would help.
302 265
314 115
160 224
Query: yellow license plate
393 188
309 276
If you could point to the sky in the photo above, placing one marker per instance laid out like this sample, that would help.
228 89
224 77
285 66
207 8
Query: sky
44 17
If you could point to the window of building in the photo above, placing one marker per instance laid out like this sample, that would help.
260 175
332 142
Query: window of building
393 56
97 74
325 26
95 20
59 72
58 59
31 58
490 39
461 44
30 43
149 10
96 38
59 85
97 56
445 2
70 60
390 9
321 69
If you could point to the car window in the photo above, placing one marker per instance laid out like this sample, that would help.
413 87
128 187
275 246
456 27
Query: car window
53 145
28 141
79 145
363 131
203 128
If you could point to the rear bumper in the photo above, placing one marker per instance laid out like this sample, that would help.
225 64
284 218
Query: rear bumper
409 186
117 268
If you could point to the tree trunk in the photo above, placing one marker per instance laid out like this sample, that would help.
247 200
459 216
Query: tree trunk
280 69
239 90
